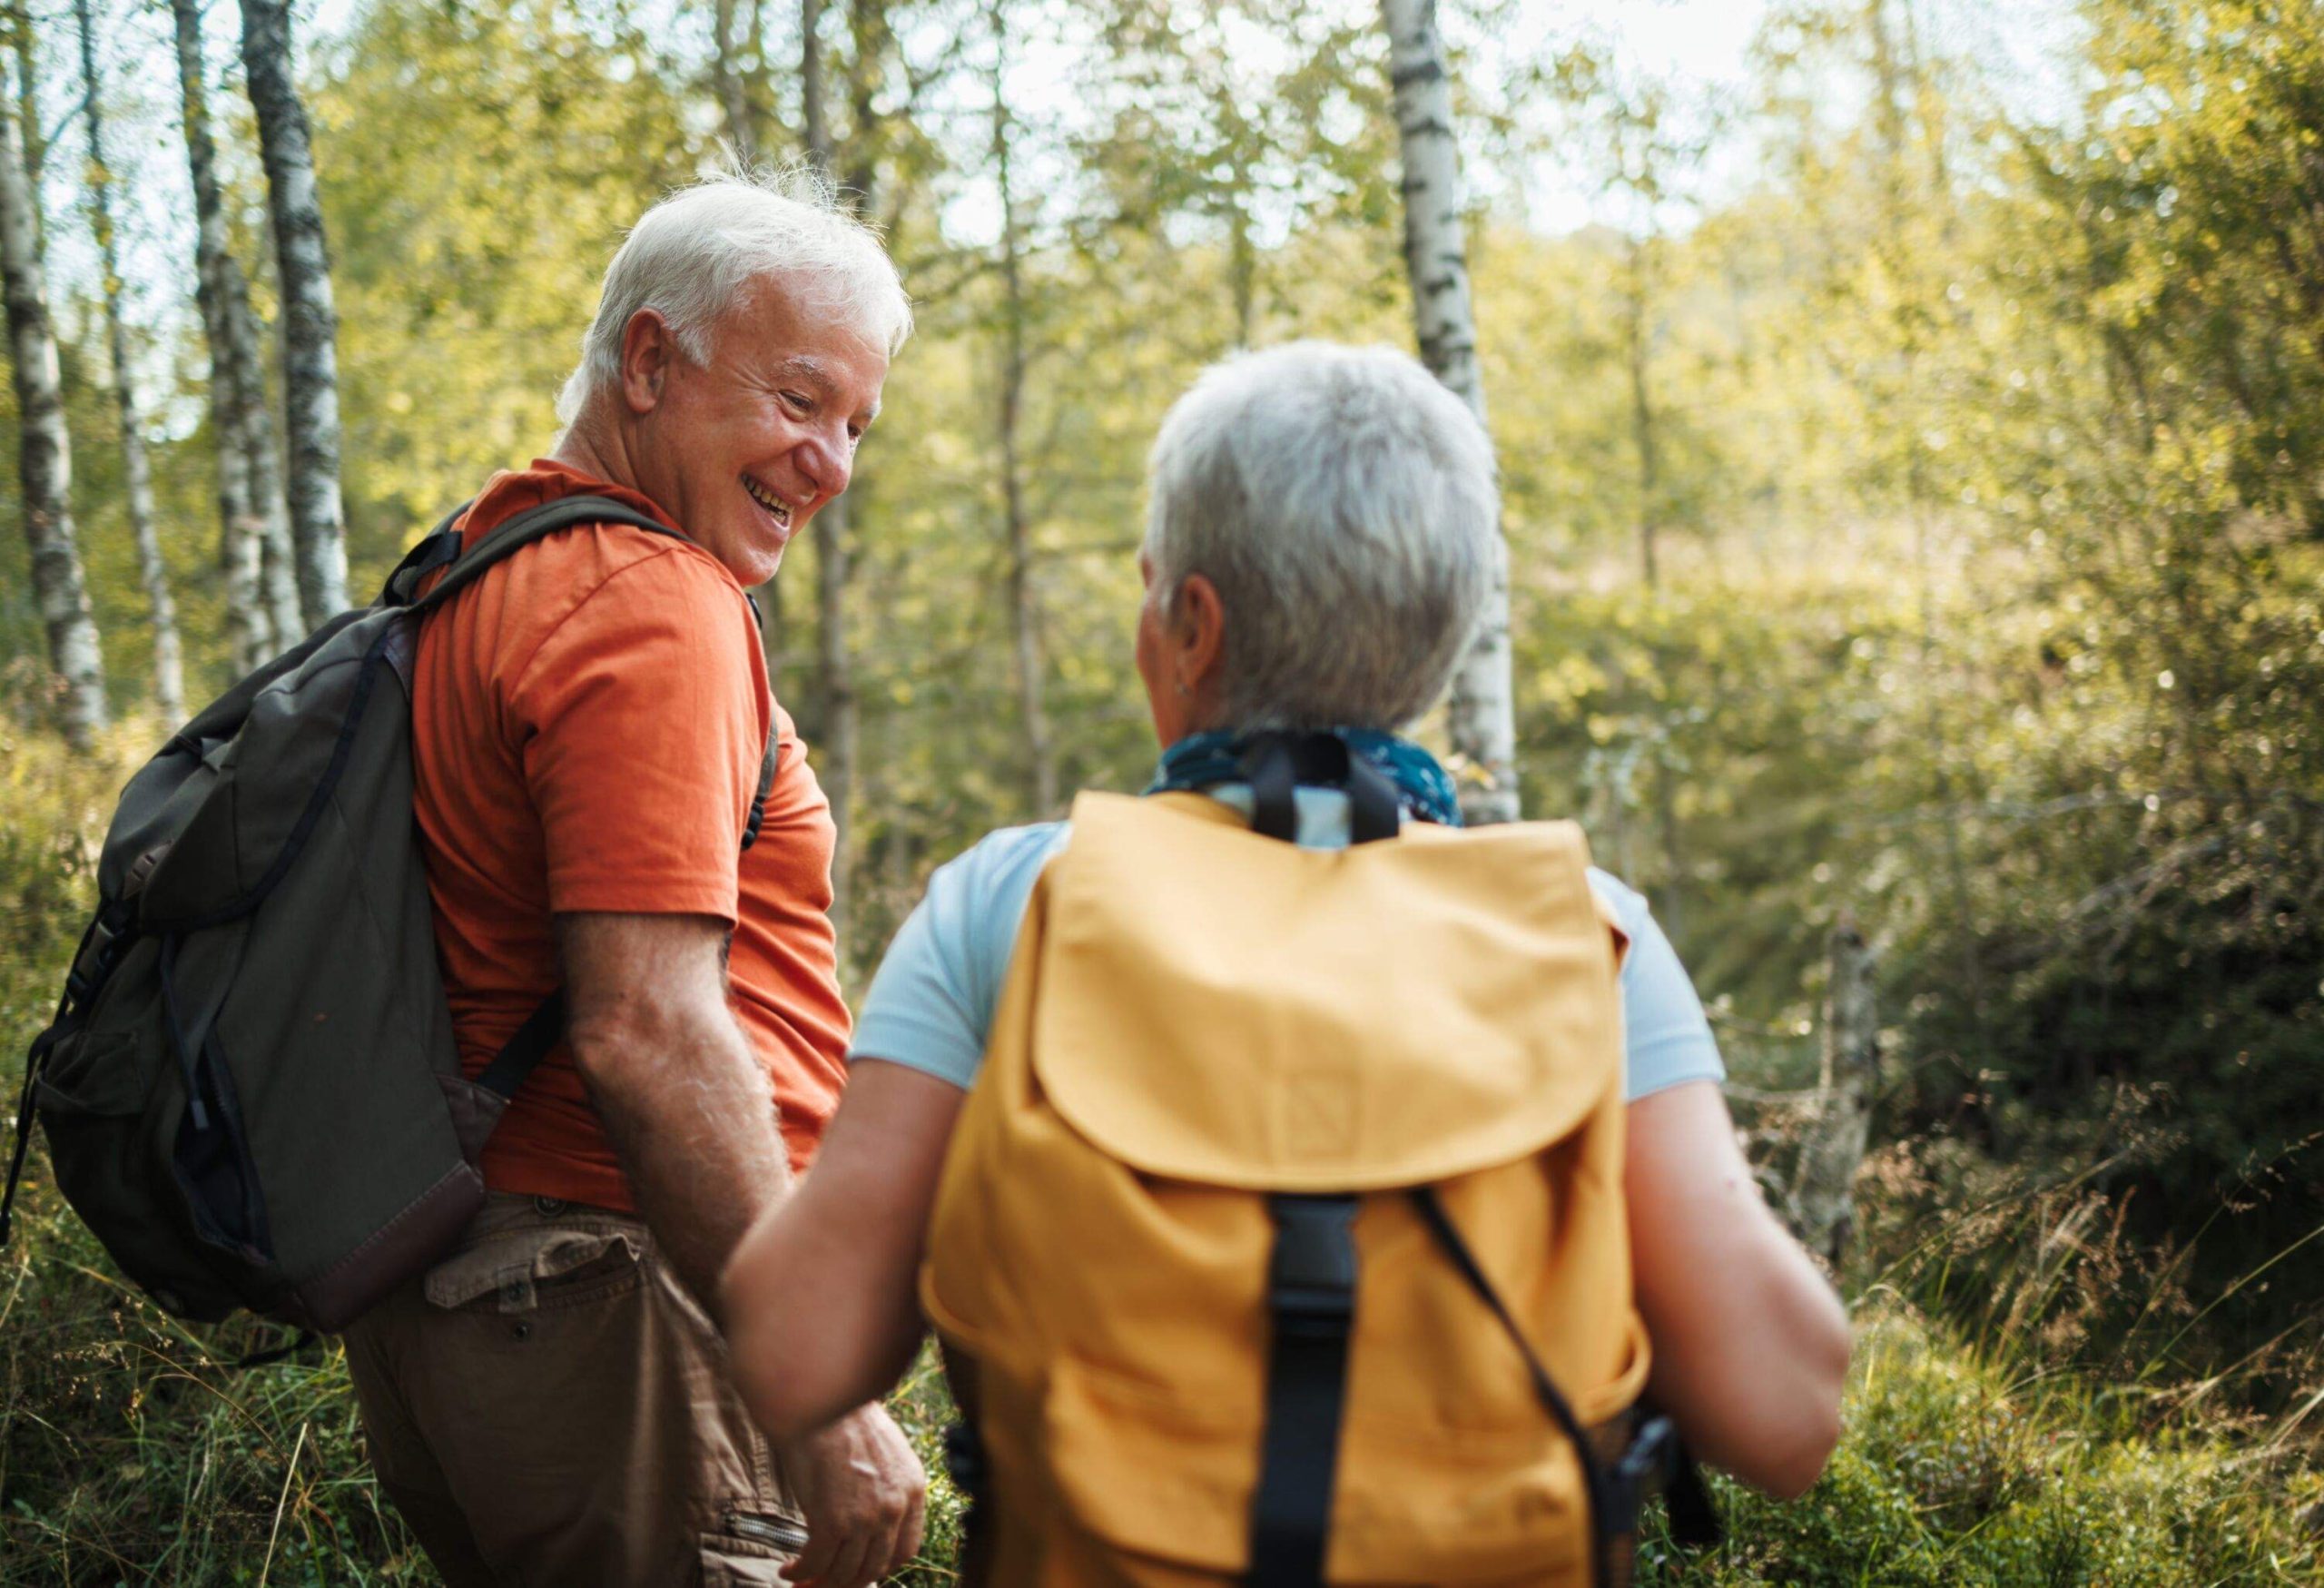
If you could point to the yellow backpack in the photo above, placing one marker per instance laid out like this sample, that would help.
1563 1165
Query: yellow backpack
1282 1238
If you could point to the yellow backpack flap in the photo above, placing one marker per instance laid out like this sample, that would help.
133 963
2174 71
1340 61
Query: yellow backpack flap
1212 1045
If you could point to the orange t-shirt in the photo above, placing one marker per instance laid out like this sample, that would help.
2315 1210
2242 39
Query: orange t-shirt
588 721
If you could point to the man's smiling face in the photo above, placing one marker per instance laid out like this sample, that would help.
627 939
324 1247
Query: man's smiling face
742 450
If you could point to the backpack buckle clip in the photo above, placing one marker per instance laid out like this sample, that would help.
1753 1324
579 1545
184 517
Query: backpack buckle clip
1311 1277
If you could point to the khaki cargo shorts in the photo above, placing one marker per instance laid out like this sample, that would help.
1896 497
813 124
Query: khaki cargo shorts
549 1405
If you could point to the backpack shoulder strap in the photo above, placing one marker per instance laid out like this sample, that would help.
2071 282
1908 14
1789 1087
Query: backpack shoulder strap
545 1027
470 563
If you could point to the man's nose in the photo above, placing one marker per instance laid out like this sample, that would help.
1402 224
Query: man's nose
827 462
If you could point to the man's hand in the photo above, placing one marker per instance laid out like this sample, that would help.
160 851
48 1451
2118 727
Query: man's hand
862 1490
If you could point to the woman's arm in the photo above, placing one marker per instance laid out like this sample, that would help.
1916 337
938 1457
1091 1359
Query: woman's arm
820 1301
1750 1344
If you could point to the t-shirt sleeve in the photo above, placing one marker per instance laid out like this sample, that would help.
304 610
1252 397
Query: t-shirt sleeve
641 724
932 1001
1666 1036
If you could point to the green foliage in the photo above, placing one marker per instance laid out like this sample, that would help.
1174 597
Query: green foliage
504 152
1953 1472
1988 481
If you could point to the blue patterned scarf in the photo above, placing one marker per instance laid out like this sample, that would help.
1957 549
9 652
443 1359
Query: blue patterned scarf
1423 788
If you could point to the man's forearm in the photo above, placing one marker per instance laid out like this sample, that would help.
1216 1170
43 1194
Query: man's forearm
687 1108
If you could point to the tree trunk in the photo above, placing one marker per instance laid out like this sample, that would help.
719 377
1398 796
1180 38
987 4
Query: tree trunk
35 142
310 318
250 502
1823 1197
1636 346
834 672
740 122
251 517
814 93
1040 757
726 77
137 472
1483 716
45 455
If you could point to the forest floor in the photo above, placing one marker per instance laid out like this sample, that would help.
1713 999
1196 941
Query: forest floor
129 1455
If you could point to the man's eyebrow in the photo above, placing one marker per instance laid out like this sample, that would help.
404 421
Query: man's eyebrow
810 372
807 372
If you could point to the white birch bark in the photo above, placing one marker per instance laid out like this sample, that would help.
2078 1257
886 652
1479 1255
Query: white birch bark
137 471
45 455
1481 713
35 133
262 591
310 318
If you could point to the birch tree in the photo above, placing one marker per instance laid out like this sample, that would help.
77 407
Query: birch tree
310 318
262 587
45 454
1041 756
1483 718
25 47
137 471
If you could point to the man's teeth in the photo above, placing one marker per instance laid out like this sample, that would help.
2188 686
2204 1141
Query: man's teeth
767 500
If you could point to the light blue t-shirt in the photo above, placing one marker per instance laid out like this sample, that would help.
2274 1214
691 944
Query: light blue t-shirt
932 1003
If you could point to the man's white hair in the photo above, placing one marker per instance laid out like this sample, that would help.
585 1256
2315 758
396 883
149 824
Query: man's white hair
1343 504
695 253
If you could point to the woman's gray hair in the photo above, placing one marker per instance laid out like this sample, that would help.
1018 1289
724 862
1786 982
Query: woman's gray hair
1343 504
694 255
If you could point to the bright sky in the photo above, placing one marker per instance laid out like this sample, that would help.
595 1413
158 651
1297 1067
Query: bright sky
2019 44
1703 43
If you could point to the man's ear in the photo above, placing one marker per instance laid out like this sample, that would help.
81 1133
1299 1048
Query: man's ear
648 348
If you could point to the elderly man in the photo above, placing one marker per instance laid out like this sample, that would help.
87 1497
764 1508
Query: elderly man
551 1403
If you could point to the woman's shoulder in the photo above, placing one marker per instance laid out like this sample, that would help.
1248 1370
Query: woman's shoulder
1007 860
1630 907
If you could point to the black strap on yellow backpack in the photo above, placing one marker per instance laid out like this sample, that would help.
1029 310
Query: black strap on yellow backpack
1310 1276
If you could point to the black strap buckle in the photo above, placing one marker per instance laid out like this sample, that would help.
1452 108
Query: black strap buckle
1311 1279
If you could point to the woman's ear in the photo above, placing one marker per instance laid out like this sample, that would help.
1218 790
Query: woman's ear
1197 619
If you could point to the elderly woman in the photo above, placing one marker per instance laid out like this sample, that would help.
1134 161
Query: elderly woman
1320 540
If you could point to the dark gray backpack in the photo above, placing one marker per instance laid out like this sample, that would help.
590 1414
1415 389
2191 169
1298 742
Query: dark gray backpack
250 1090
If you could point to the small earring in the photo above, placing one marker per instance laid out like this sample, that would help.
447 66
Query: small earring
1183 691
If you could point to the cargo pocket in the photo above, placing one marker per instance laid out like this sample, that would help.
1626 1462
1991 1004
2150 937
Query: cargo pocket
751 1550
